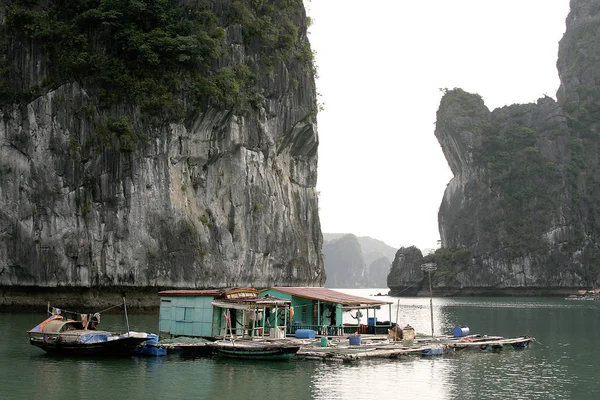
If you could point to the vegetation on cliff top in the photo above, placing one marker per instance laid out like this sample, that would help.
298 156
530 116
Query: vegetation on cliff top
538 184
155 54
449 262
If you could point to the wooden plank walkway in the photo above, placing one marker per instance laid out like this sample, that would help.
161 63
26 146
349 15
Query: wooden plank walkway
371 347
445 345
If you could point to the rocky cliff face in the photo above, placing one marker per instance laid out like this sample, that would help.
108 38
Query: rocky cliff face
523 211
405 278
216 198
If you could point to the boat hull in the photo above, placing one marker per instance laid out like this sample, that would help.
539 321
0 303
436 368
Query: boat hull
114 348
255 351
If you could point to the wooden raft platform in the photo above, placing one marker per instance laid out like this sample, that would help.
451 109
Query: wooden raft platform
373 346
191 348
445 345
201 348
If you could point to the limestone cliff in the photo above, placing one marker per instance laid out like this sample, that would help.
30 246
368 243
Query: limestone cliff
405 278
168 179
522 211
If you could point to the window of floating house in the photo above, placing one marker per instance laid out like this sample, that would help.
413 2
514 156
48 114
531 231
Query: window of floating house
188 314
184 314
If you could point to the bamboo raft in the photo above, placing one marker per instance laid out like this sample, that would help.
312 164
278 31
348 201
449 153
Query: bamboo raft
374 347
445 345
201 347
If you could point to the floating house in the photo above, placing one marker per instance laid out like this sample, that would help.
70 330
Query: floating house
213 313
274 312
333 313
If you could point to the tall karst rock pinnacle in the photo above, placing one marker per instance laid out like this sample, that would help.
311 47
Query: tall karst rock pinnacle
157 144
525 197
522 212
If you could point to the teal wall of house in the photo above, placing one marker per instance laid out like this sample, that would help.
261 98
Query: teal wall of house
189 316
308 311
270 321
303 310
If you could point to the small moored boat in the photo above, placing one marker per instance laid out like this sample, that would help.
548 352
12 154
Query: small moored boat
585 295
249 349
70 333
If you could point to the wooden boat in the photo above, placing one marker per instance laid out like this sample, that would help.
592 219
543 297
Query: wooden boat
585 295
61 333
254 350
492 343
581 297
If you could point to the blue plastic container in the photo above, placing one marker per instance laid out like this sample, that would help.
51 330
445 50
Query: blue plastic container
305 334
152 339
354 340
371 322
460 331
435 351
150 350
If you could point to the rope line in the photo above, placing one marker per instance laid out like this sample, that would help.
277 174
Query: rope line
99 312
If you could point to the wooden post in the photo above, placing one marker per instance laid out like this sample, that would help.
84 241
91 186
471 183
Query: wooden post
285 319
428 267
253 321
264 316
397 309
319 323
126 317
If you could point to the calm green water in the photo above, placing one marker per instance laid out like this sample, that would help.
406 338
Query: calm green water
564 364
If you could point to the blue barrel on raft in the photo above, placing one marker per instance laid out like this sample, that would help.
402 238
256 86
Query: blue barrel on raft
354 340
152 339
151 347
305 334
461 331
371 322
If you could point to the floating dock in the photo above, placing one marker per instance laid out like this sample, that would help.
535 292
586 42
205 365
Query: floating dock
187 346
377 348
342 349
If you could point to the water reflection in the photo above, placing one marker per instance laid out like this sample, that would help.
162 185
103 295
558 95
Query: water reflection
419 378
558 366
561 365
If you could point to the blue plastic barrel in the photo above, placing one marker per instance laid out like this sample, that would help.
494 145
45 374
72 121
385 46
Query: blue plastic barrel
354 340
371 322
305 334
152 339
460 331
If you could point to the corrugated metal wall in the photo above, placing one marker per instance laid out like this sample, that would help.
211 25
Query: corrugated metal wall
188 316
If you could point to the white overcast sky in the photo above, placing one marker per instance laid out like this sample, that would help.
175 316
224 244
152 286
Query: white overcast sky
381 64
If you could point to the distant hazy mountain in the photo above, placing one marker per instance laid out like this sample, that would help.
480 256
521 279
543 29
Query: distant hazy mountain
378 272
352 261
